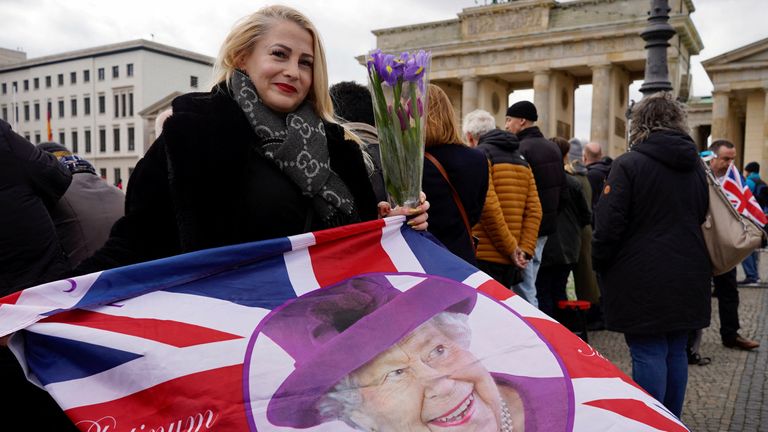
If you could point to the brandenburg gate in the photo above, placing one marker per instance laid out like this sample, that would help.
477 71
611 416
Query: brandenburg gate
488 52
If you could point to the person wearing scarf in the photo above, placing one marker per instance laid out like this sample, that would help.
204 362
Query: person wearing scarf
260 156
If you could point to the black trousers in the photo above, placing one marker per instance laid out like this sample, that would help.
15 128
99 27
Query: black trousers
727 294
550 286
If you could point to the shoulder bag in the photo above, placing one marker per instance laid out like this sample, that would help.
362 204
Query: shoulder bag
729 236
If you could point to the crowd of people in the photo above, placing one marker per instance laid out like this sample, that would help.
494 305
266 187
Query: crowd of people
509 200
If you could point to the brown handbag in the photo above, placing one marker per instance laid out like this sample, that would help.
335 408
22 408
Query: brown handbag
729 236
456 199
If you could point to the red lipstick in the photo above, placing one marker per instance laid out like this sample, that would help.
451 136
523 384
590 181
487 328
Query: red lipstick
286 88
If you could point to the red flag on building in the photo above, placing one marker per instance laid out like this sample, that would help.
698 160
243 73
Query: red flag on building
48 124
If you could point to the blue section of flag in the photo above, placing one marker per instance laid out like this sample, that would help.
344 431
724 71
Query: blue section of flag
195 272
435 258
55 359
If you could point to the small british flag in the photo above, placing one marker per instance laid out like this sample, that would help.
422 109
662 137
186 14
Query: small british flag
741 197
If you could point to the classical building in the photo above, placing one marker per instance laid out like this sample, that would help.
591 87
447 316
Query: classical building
738 108
94 97
487 52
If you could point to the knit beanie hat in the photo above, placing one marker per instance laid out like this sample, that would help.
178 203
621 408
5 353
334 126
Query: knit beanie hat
752 167
523 109
74 163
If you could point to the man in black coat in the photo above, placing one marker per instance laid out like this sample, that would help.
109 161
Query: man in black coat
598 168
725 284
547 165
31 182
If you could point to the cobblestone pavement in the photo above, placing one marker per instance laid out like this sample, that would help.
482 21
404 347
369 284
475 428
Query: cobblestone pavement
729 393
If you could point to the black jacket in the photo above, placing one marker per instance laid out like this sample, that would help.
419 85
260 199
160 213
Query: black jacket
467 170
648 246
564 245
201 185
597 172
547 165
31 182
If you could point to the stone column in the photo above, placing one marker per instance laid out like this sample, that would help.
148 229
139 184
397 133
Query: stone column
720 115
468 95
601 103
541 99
764 162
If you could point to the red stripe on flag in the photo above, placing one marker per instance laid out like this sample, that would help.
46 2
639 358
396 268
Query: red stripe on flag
341 253
210 400
580 359
169 332
495 290
11 298
638 411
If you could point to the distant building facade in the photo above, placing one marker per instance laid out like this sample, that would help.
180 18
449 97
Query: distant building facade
94 97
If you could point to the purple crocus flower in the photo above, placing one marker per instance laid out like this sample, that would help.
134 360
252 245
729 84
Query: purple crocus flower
386 66
403 117
415 67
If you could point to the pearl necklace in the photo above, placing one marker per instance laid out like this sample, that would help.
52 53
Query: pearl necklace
506 418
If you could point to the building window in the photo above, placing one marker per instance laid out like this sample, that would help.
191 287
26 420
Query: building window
73 77
118 178
115 71
116 138
101 74
129 69
48 81
26 111
130 104
50 110
36 83
102 104
26 136
73 106
37 110
102 140
5 113
87 134
61 108
62 137
86 76
122 100
5 88
87 105
37 137
15 87
193 81
60 79
26 85
131 139
74 141
103 173
117 106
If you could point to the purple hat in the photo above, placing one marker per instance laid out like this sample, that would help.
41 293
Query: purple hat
332 332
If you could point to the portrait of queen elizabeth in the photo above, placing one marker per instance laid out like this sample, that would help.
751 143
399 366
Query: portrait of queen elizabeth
377 357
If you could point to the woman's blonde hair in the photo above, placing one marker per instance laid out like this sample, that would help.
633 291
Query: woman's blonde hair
243 36
442 127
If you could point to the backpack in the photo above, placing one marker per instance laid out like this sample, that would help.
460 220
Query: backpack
761 193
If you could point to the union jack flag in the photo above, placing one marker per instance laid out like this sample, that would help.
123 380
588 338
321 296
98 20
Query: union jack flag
173 344
741 197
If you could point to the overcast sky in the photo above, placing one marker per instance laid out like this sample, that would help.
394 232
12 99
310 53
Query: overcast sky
43 27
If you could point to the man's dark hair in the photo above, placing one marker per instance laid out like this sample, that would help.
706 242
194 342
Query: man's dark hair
718 144
352 102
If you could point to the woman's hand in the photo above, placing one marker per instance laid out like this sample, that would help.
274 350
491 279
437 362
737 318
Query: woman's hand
417 217
520 259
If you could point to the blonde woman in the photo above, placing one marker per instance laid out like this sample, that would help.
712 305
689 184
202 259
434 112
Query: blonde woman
467 174
257 157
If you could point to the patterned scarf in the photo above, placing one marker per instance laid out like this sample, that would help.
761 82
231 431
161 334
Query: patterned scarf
298 145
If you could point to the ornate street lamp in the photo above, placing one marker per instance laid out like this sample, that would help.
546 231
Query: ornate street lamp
656 37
